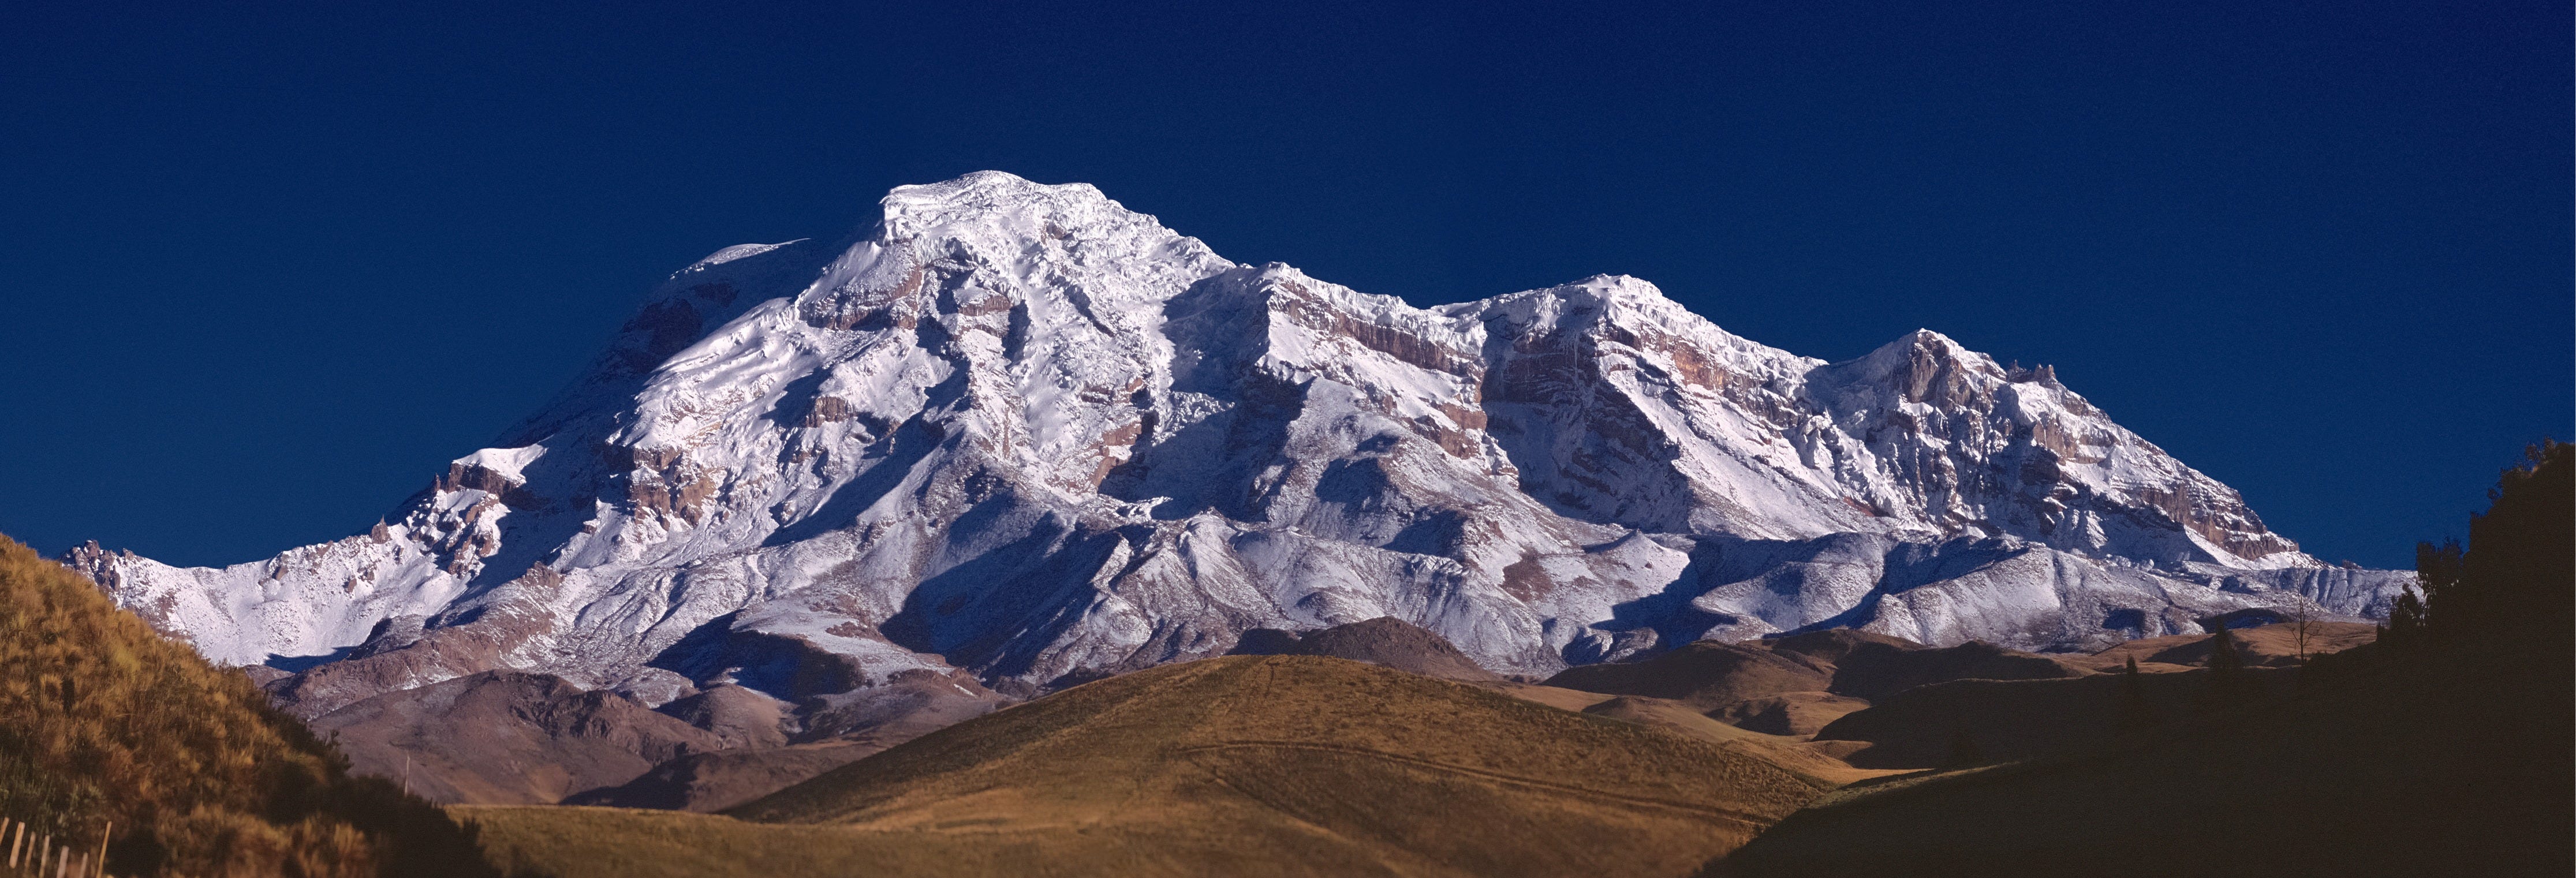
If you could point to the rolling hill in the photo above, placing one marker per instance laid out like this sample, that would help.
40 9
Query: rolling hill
1243 765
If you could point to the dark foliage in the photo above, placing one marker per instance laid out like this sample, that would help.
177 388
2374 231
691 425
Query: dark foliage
2135 712
2514 578
1964 752
2229 686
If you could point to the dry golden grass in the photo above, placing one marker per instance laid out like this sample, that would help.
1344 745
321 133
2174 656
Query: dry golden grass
1793 753
102 720
528 840
1270 765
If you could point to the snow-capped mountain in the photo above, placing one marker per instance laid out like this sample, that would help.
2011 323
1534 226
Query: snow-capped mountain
1020 432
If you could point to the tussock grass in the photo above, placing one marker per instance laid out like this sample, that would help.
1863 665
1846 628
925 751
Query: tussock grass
102 719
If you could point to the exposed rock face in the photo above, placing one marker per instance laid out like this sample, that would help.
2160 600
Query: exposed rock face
1016 436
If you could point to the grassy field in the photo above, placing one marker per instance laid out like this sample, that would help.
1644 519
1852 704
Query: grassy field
534 840
1274 765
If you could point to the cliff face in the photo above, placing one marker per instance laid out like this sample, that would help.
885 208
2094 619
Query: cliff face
1021 431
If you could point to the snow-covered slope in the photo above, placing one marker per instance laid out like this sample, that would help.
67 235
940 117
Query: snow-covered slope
1019 431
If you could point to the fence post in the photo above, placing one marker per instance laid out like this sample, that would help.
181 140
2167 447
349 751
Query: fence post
98 869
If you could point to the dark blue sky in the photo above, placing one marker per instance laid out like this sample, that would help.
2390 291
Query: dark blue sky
264 275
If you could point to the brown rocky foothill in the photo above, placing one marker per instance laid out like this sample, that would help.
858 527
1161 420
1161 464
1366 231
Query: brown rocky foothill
1385 640
1867 702
737 716
1296 753
507 737
1708 675
1789 713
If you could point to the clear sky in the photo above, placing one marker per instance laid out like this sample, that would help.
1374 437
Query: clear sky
263 275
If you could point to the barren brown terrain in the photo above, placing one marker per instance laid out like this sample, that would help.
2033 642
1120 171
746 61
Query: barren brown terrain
505 737
1385 640
1346 752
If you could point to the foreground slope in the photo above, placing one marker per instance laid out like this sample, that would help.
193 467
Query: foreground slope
1246 765
103 722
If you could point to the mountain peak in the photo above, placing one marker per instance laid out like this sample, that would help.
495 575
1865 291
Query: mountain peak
1925 343
1021 432
986 190
1002 201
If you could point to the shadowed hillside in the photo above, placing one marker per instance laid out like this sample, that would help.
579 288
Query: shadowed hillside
1246 765
2441 749
102 720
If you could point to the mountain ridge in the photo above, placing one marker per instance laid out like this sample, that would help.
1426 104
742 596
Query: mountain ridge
1020 431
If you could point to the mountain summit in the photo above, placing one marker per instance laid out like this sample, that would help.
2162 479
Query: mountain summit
1020 432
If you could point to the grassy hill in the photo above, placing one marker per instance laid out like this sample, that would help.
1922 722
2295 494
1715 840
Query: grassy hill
104 721
1247 765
